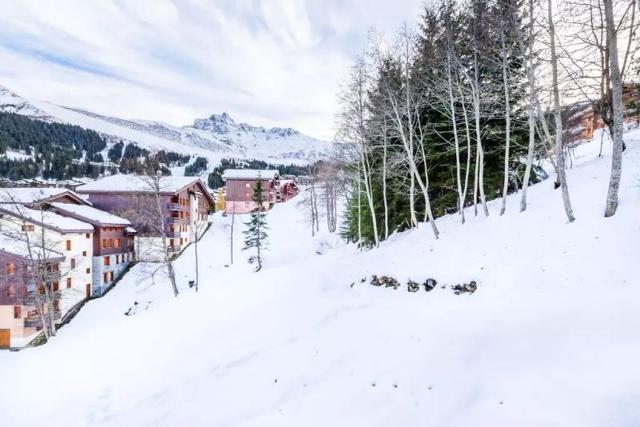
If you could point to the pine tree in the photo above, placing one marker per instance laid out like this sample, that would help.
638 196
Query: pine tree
256 233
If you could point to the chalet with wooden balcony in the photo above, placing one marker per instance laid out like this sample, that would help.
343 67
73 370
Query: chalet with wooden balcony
113 242
241 183
184 202
71 237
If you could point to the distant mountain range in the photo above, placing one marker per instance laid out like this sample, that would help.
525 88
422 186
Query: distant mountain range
214 138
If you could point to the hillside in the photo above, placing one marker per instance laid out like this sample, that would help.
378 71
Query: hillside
214 138
550 338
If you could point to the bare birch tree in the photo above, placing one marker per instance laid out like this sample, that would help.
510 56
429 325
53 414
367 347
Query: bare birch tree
559 149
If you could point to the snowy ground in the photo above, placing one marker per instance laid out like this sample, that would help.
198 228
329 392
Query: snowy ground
549 339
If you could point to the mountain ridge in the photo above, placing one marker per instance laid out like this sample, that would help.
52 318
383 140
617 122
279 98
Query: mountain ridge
215 137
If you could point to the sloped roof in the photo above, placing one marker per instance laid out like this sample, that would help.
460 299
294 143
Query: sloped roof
91 214
47 219
28 195
141 184
18 246
266 174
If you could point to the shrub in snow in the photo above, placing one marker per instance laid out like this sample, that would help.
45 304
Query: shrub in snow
413 286
429 284
465 288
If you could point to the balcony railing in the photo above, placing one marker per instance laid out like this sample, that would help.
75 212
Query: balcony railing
174 206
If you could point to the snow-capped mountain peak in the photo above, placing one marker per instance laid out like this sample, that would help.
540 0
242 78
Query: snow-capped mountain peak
224 124
11 102
215 137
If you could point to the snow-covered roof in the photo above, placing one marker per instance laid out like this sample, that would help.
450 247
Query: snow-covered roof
18 246
249 174
90 213
47 219
32 194
131 230
136 183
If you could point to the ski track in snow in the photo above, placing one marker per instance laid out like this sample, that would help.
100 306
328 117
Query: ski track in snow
550 338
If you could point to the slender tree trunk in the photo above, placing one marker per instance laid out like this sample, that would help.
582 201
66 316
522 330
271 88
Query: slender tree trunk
48 288
359 209
163 232
369 190
384 184
618 109
480 155
233 220
427 201
531 107
469 151
456 142
507 119
195 247
558 118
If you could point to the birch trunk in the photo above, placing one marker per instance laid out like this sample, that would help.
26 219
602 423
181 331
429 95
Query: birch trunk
558 119
469 151
480 156
532 102
384 183
618 111
369 190
507 119
456 142
233 220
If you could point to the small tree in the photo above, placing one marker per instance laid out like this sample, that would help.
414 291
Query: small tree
256 233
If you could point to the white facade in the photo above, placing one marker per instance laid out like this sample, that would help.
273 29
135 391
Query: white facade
77 248
117 264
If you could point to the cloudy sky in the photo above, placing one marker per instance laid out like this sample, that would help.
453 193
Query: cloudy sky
271 62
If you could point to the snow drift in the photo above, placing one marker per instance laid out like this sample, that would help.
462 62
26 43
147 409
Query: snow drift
550 338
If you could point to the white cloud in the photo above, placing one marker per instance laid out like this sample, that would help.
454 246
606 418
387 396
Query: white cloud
271 62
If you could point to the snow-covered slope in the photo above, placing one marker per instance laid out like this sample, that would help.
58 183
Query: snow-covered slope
550 338
215 137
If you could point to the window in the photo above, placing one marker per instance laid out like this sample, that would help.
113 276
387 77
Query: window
105 277
111 276
117 259
88 270
87 235
56 286
110 243
106 260
84 253
17 312
28 227
170 242
247 185
73 263
68 282
68 245
11 291
117 243
104 243
11 268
